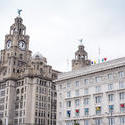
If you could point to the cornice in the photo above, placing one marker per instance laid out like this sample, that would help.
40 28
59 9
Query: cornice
120 62
29 76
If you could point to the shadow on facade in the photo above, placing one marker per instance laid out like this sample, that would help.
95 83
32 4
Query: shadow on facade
1 122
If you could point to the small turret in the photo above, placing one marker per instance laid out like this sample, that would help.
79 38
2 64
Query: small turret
81 58
18 28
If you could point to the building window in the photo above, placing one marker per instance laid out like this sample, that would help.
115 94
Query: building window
68 113
60 95
110 86
122 120
67 123
2 107
86 111
122 95
77 112
98 121
69 94
121 85
98 110
2 93
122 107
111 108
60 114
86 91
111 121
77 102
121 74
110 76
68 103
86 122
60 86
16 121
77 92
60 104
77 83
86 101
98 88
98 99
110 97
97 79
68 85
86 81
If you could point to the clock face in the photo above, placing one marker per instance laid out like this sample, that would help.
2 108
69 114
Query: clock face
22 45
8 45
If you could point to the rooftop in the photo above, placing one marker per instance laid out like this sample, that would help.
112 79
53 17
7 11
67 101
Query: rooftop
92 69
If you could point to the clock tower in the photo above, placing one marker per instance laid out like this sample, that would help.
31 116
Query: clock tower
16 53
27 90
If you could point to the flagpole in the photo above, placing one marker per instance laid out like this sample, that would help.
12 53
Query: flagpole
99 55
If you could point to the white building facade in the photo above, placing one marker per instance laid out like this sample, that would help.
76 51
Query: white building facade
92 94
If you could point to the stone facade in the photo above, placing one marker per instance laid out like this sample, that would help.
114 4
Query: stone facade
27 90
92 95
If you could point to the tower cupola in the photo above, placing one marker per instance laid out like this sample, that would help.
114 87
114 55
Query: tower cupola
81 58
18 28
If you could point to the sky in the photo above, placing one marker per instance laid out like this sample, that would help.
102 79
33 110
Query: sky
55 26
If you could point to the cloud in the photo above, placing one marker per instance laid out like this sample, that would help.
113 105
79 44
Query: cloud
55 25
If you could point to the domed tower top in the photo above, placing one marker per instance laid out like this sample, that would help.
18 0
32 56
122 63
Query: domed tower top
81 58
81 53
18 28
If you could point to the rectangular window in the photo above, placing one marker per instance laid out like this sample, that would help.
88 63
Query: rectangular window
60 114
60 86
60 104
68 85
98 99
67 123
77 92
86 101
122 107
98 121
2 93
69 94
68 103
121 74
68 113
122 95
97 79
98 110
86 81
1 107
86 122
2 100
98 88
77 83
111 121
121 85
77 102
86 91
110 86
111 108
77 112
110 76
122 120
110 97
86 111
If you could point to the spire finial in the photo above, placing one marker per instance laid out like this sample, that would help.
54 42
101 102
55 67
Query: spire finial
19 11
81 40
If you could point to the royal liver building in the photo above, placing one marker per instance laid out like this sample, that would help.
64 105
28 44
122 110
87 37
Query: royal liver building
27 93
